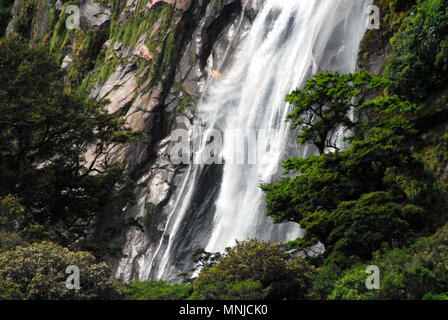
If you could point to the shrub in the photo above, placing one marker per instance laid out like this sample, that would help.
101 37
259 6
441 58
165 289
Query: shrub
38 270
261 263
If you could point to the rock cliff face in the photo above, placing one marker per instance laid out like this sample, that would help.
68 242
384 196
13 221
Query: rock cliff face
376 45
151 60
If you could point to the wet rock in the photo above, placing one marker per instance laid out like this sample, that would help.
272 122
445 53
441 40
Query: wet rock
67 61
252 8
93 15
59 5
183 5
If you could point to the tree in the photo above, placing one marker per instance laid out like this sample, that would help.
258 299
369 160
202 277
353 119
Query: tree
44 138
377 191
38 271
248 265
322 108
355 200
204 259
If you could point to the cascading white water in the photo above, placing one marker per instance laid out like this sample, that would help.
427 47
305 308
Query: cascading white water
288 41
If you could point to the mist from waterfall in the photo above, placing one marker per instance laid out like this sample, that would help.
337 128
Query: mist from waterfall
288 42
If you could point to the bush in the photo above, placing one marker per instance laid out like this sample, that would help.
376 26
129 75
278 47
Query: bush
268 264
417 272
400 278
38 271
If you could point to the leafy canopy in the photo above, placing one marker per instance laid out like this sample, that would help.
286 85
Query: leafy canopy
37 272
323 107
255 270
377 191
415 272
44 138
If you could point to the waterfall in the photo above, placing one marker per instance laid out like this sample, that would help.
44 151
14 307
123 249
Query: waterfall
288 41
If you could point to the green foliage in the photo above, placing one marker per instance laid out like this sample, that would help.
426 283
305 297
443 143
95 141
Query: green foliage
396 270
44 138
412 273
157 290
359 227
323 106
243 268
433 252
12 214
415 272
323 282
60 33
85 52
352 285
418 65
239 290
9 291
431 296
38 271
377 191
355 200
